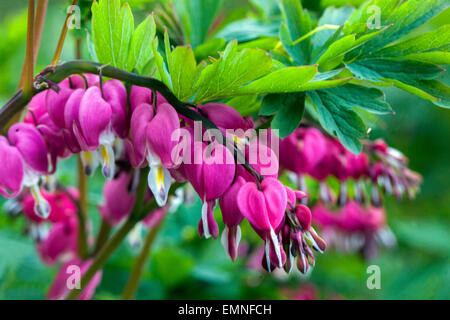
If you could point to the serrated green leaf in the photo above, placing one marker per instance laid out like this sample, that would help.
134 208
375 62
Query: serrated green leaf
209 49
249 29
141 51
290 79
184 71
404 18
245 105
403 70
112 29
297 23
197 17
436 40
338 120
291 110
231 71
354 96
159 62
331 16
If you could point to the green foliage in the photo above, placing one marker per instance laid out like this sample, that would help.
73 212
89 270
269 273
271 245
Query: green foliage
197 17
114 38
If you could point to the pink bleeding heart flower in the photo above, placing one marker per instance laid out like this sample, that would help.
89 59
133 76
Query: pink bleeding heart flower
118 199
154 137
67 277
11 170
264 207
224 116
302 150
140 95
61 241
61 204
34 153
154 218
210 179
55 101
232 217
102 117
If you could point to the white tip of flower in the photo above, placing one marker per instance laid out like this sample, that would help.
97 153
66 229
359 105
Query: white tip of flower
108 161
276 245
90 161
206 232
41 205
224 240
135 237
159 181
267 251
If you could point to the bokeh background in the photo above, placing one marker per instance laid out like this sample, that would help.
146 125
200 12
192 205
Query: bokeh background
184 266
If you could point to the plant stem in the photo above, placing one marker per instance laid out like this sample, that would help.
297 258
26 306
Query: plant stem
102 257
116 239
83 210
103 235
312 32
29 55
140 264
62 37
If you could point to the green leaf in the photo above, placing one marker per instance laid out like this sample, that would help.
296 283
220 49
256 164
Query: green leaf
245 105
351 96
184 71
141 51
431 42
249 29
112 29
339 120
231 71
171 266
403 70
404 18
291 110
209 49
297 24
332 16
197 17
324 80
159 61
290 79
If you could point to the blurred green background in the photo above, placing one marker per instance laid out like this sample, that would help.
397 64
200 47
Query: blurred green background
184 266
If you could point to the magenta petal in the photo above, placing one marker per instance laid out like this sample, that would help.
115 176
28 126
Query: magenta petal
55 102
138 96
217 177
59 290
139 122
231 214
11 169
252 205
36 108
118 200
116 95
62 239
304 216
94 115
163 133
276 200
31 146
224 116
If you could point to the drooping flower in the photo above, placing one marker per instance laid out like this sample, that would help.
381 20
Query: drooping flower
62 205
210 179
264 207
103 117
118 199
232 217
11 170
154 136
61 241
34 158
69 276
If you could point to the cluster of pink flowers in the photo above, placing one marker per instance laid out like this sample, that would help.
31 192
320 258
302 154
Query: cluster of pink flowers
354 219
127 131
